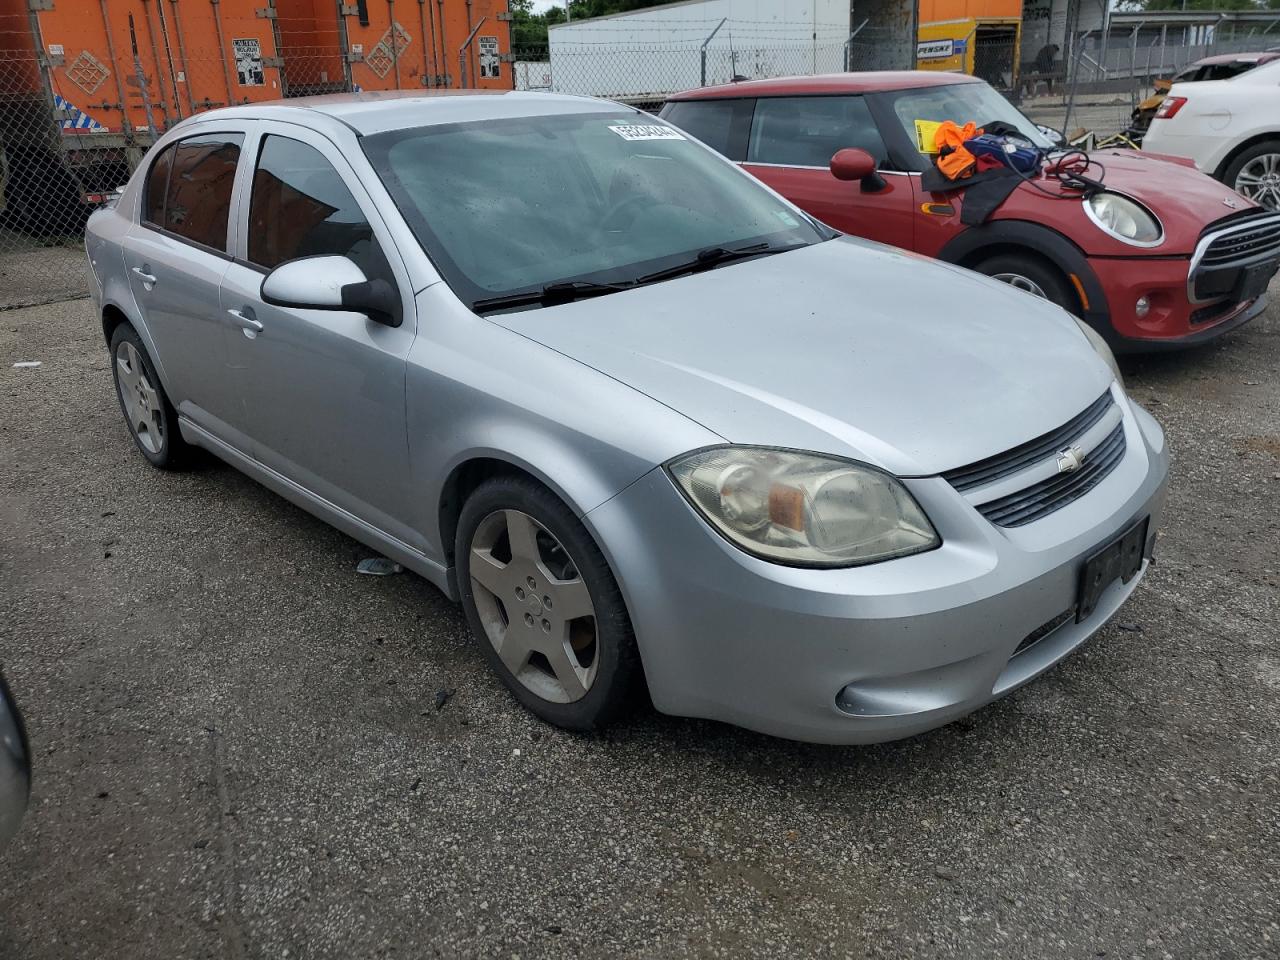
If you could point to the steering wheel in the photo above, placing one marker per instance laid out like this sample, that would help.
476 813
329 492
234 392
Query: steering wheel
621 207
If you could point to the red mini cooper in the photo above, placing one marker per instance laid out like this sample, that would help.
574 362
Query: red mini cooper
1160 255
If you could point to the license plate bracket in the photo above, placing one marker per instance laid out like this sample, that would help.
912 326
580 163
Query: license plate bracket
1254 280
1120 559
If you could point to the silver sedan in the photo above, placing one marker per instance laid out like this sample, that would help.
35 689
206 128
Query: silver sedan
650 424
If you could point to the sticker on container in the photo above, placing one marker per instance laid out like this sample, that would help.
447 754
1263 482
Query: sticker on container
248 54
646 131
490 64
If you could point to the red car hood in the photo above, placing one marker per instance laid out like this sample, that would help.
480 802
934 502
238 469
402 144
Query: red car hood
1184 199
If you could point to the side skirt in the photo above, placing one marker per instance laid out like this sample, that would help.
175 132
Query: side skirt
335 516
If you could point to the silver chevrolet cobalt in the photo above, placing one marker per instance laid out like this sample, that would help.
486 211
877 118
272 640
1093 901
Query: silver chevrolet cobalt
651 424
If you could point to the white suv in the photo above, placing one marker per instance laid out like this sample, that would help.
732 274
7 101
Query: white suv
1230 128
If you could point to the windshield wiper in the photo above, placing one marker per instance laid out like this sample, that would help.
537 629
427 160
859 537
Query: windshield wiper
566 291
563 291
713 257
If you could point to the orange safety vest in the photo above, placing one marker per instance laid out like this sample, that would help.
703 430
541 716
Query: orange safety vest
954 159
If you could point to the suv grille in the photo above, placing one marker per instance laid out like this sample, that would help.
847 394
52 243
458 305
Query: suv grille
1042 495
1019 458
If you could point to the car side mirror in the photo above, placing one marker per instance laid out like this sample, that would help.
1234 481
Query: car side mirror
854 163
331 283
1054 136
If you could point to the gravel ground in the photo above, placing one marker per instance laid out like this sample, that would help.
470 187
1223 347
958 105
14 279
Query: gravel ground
33 270
239 752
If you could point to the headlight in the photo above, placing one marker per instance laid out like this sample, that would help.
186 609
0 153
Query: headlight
1124 219
1101 346
803 509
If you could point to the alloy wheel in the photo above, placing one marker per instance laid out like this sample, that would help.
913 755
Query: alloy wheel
1022 283
1259 180
534 605
140 399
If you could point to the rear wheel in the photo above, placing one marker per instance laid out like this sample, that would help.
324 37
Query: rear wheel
544 606
1031 275
1255 174
151 418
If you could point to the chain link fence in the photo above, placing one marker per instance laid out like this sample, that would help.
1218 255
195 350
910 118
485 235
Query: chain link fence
1105 88
74 124
76 121
644 74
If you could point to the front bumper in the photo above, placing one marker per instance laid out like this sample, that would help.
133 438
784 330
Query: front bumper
870 653
1173 321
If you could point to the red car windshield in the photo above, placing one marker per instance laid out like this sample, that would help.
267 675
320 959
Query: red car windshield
960 102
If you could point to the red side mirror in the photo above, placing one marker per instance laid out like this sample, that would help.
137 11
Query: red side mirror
852 163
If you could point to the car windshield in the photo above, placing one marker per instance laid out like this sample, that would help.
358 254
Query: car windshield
962 102
510 206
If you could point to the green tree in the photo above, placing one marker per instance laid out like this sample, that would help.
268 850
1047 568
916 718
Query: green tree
528 29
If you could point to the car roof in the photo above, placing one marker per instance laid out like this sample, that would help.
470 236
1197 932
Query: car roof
1236 58
379 111
868 81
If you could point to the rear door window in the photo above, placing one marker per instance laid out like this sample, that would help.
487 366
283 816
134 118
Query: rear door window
807 131
300 207
157 185
722 125
197 198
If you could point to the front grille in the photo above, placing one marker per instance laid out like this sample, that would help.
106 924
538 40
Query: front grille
1043 498
1214 311
1244 240
1042 631
1019 458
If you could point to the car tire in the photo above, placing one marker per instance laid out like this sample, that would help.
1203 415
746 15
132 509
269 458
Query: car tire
151 418
1246 174
1031 275
544 606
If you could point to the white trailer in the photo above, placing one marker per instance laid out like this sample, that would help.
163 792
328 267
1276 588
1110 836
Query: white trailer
645 55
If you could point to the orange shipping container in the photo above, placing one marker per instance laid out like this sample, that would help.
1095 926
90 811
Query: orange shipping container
140 65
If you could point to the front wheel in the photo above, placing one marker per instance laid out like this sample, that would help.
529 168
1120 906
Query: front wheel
1255 174
1031 275
544 606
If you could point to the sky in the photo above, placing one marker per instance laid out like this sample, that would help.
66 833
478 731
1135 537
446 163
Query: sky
541 6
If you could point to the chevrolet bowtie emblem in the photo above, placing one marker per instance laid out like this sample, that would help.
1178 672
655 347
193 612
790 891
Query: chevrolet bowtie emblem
1070 460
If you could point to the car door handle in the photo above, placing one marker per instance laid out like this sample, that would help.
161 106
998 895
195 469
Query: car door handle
144 276
248 324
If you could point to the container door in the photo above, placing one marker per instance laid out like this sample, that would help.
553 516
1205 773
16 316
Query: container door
790 148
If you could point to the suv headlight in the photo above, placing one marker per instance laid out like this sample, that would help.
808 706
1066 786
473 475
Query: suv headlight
1124 219
803 509
1101 346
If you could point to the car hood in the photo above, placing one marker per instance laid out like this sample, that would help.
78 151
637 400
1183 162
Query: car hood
846 347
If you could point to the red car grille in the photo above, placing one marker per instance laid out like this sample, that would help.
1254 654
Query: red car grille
1243 241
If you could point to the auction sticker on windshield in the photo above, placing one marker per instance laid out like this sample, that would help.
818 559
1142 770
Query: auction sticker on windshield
646 131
